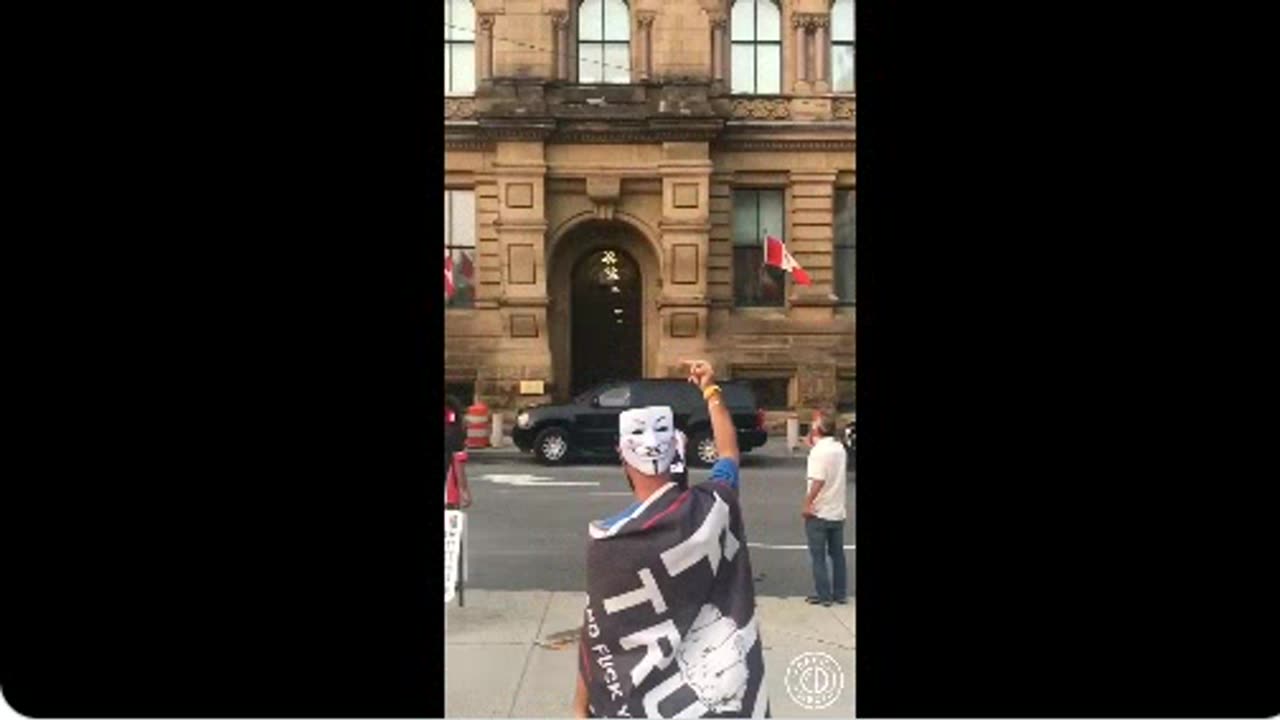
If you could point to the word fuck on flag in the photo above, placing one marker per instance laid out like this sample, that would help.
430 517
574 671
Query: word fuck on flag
776 255
670 628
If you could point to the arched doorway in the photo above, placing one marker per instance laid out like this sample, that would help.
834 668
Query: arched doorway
607 319
582 348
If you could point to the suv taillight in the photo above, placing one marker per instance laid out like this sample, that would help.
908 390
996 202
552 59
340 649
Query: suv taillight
760 419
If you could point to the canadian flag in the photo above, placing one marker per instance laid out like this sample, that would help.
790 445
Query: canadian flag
775 254
448 275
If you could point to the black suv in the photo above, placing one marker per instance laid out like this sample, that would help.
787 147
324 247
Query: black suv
589 424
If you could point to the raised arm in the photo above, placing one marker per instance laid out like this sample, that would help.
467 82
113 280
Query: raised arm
726 435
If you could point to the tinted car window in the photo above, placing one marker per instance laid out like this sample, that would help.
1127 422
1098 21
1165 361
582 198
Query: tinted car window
737 395
678 394
618 397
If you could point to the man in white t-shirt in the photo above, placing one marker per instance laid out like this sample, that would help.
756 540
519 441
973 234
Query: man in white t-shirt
824 511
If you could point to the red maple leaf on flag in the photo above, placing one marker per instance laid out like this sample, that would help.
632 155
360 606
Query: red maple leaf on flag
776 255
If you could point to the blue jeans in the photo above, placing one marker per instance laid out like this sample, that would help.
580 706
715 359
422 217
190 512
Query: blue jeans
826 540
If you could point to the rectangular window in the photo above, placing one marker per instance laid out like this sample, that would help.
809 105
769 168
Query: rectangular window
843 43
459 48
744 68
846 395
617 63
772 393
768 69
845 241
604 50
756 47
842 70
756 215
460 244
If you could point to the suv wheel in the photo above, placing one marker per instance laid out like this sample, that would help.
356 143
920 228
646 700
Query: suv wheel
702 449
551 446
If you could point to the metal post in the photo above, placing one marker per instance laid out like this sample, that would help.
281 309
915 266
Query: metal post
496 437
462 565
793 434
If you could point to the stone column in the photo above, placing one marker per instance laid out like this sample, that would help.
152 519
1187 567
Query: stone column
484 46
683 307
820 53
801 54
560 21
717 45
645 20
811 243
524 351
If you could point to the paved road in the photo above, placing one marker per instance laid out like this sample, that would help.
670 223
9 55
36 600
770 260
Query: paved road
529 533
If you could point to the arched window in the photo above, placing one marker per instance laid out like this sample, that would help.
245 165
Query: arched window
459 47
842 42
604 48
756 35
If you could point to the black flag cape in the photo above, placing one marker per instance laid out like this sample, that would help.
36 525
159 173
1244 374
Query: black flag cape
670 627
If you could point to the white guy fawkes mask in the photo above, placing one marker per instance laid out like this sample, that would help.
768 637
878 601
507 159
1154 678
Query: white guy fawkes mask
646 437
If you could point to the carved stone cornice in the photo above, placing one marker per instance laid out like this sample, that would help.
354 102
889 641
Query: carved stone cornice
809 21
788 137
843 108
693 130
459 108
464 144
761 108
785 145
533 129
461 135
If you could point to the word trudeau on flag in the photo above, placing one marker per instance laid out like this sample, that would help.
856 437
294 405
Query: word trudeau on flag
776 255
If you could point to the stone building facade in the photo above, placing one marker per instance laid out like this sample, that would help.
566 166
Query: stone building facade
611 170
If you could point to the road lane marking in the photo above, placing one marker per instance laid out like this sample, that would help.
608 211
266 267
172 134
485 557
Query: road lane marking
764 546
526 480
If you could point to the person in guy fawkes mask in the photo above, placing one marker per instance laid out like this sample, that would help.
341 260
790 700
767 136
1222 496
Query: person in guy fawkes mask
670 626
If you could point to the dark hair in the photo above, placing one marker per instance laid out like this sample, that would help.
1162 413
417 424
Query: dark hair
455 437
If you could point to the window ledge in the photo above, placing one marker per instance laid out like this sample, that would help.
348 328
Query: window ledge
779 312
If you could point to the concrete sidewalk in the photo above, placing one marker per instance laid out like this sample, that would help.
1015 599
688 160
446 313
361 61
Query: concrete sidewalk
513 654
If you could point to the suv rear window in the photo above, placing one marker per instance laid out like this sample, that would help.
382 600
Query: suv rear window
738 395
680 395
683 397
616 397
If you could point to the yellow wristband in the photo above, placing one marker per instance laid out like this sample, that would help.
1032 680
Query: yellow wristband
713 390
